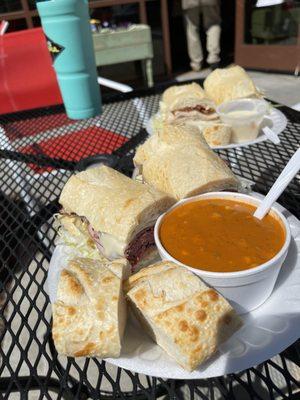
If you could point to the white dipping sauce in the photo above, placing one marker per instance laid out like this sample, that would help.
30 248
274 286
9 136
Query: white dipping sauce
241 114
244 116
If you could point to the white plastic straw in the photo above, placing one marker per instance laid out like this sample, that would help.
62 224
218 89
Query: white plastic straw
288 173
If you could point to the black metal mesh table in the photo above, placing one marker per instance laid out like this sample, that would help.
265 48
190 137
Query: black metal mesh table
39 149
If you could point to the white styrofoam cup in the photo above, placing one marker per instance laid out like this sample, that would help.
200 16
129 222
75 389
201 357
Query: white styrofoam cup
246 289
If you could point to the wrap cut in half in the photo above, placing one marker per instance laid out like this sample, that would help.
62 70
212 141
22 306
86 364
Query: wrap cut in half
187 102
89 315
184 316
114 213
178 161
229 84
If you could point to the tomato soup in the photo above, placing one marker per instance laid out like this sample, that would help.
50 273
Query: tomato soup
220 235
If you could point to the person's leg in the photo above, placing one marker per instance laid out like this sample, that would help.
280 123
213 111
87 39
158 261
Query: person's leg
192 21
212 26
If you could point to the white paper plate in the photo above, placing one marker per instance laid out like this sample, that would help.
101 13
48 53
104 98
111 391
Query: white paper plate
276 120
267 331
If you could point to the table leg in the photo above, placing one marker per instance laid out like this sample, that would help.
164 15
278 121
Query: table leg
148 71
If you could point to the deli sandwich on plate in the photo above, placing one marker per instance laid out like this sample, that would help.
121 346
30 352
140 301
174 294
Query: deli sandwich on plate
108 215
178 161
191 104
180 103
229 84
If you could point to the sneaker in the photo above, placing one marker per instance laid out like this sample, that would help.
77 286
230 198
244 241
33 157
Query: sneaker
195 67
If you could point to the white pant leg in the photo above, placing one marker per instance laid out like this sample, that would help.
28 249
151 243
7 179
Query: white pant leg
212 20
192 21
213 44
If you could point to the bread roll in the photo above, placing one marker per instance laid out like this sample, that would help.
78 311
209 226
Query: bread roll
178 161
185 317
112 202
215 133
177 92
230 83
89 315
167 135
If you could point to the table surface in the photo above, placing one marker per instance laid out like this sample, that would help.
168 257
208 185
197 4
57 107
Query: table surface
39 150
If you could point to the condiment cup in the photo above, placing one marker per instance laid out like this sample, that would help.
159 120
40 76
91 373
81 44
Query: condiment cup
244 116
246 289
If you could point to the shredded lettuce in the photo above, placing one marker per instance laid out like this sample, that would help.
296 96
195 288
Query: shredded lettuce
73 232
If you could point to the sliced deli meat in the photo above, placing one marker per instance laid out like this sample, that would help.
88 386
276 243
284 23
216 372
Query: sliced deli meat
142 244
201 108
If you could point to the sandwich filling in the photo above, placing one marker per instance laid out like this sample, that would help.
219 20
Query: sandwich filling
140 245
78 233
201 108
198 111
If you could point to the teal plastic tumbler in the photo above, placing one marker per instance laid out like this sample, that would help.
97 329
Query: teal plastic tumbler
67 28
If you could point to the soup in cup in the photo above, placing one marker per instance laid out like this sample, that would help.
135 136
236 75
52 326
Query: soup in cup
216 236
